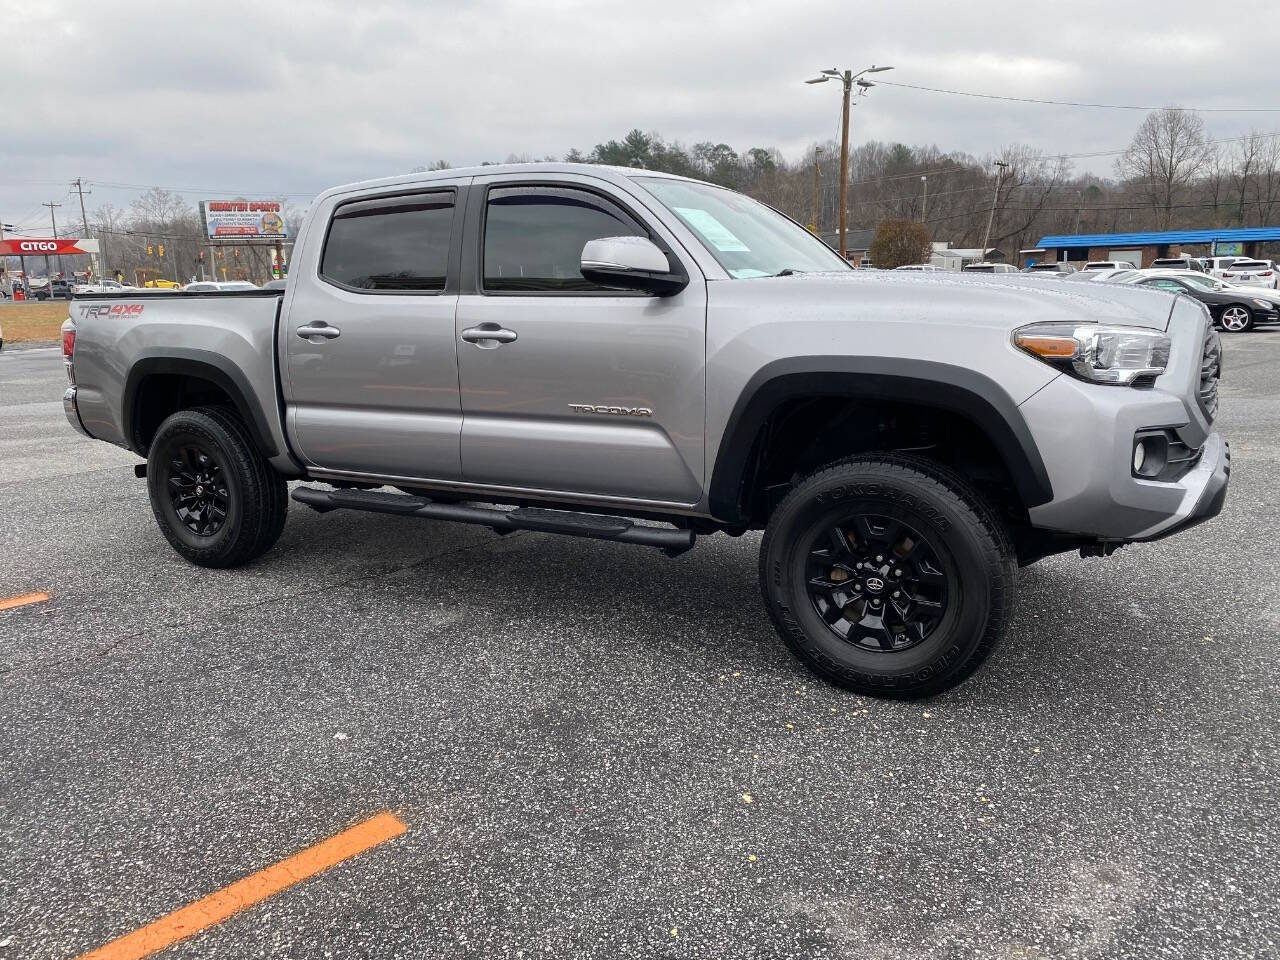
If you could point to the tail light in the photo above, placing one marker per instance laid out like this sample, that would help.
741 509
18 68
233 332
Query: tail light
1227 276
1265 273
69 348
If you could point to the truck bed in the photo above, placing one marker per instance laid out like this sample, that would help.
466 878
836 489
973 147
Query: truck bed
228 337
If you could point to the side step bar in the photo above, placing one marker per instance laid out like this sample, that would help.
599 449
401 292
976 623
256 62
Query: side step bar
669 540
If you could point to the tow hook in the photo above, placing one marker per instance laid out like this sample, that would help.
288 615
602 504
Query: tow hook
140 470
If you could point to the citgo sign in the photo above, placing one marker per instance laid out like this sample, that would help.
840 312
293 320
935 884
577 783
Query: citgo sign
37 246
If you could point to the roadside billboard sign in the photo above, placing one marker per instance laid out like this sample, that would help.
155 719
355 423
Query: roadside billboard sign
244 221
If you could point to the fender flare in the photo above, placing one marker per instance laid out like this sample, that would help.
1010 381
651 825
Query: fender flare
959 390
204 365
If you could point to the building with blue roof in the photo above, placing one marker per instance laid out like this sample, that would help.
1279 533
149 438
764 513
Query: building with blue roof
1144 247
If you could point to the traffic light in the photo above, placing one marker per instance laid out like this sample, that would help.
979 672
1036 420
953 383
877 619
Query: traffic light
150 250
160 249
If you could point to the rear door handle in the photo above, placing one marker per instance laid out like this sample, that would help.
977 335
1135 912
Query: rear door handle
315 332
489 331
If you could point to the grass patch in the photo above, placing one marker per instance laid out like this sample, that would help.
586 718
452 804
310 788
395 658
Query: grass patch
33 321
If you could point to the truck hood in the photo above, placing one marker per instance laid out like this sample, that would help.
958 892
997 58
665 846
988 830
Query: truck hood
992 300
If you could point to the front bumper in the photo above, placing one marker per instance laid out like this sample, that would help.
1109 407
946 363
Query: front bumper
72 412
1204 491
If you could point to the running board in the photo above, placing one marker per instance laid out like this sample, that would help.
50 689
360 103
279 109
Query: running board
669 540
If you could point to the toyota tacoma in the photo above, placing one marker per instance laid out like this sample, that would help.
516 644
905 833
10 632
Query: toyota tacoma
646 359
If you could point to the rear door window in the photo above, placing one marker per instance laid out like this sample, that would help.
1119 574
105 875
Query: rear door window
390 244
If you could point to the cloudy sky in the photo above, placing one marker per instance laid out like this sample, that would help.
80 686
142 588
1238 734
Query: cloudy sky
276 98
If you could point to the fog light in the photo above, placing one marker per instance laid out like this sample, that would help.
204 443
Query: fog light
1139 456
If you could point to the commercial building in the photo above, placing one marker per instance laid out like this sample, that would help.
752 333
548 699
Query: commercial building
1142 248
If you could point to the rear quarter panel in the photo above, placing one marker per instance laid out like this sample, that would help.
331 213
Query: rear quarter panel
236 333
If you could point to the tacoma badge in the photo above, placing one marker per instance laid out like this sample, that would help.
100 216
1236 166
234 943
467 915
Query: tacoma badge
613 411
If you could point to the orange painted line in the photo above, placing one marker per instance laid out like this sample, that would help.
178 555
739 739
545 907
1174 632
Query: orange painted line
23 600
255 888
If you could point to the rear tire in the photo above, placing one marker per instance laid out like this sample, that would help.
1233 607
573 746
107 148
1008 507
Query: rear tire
215 497
888 575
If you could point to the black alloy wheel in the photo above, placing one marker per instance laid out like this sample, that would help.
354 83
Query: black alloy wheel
197 488
877 582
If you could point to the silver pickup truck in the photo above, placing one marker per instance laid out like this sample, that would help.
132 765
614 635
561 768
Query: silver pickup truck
643 358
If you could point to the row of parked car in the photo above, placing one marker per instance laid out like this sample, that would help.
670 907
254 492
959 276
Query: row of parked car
1239 293
57 288
99 287
1241 271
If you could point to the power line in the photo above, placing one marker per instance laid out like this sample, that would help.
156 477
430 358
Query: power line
116 185
1073 103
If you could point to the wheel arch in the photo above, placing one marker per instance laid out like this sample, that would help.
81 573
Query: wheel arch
956 391
182 378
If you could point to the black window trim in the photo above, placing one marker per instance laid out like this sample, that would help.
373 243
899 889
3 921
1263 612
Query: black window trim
481 224
456 194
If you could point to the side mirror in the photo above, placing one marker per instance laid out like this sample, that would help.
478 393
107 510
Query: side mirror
632 263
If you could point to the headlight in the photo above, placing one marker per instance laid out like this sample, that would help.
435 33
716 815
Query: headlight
1264 304
1099 354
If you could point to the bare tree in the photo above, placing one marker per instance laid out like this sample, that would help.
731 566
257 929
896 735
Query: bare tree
1030 181
1215 183
1163 159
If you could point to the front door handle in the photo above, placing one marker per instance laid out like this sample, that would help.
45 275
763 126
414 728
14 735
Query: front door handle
315 332
489 331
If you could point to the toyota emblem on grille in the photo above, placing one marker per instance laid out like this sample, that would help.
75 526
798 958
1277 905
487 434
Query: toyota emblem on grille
875 584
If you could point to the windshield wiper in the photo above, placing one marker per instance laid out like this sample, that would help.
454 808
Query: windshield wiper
787 272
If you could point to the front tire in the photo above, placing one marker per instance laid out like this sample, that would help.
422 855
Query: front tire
215 497
887 575
1236 318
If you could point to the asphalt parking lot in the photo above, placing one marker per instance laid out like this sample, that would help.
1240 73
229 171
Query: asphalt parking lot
571 730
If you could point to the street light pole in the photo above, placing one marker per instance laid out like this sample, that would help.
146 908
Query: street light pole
924 202
847 80
986 237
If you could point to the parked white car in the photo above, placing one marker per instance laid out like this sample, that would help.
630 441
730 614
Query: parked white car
1216 265
1100 265
926 267
984 267
213 286
1251 273
101 286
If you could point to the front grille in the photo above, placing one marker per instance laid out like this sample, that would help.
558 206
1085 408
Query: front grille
1210 373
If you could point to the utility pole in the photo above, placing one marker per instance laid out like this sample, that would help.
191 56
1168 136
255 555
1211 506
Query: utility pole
844 166
847 80
54 220
84 220
924 203
986 237
817 191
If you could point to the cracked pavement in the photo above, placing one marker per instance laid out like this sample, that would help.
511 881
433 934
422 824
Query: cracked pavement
570 730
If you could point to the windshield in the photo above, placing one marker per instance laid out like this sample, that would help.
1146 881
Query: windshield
747 238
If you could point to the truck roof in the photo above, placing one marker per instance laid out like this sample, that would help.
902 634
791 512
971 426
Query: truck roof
601 170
